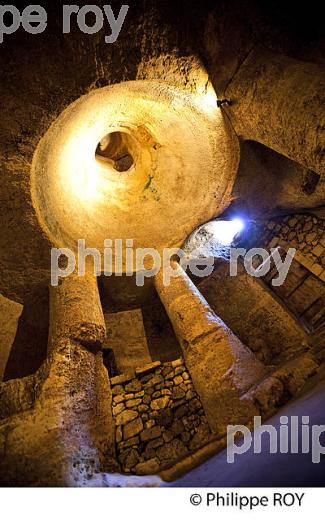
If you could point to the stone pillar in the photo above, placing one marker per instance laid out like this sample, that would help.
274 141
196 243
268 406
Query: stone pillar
76 315
278 101
221 367
76 311
65 436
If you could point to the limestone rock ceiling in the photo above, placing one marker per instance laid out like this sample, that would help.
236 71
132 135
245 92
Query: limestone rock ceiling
184 162
28 113
42 76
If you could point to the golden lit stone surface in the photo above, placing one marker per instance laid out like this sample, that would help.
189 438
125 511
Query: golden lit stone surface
185 159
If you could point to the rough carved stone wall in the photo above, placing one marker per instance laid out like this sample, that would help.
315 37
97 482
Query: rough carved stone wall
56 427
304 232
127 338
9 316
259 320
270 184
121 294
159 417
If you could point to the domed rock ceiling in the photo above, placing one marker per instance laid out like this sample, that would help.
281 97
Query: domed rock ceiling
155 44
184 163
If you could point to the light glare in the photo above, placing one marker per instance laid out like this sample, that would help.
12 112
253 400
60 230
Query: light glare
224 231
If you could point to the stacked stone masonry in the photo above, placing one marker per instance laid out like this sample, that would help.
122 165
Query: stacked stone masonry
304 232
159 418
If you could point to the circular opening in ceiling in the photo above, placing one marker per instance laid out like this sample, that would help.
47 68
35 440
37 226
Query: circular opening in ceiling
125 162
116 149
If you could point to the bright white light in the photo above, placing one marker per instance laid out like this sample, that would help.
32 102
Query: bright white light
238 223
224 231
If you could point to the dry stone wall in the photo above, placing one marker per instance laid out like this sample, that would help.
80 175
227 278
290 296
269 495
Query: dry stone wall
304 232
159 418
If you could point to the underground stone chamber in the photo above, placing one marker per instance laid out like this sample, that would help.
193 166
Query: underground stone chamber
105 382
